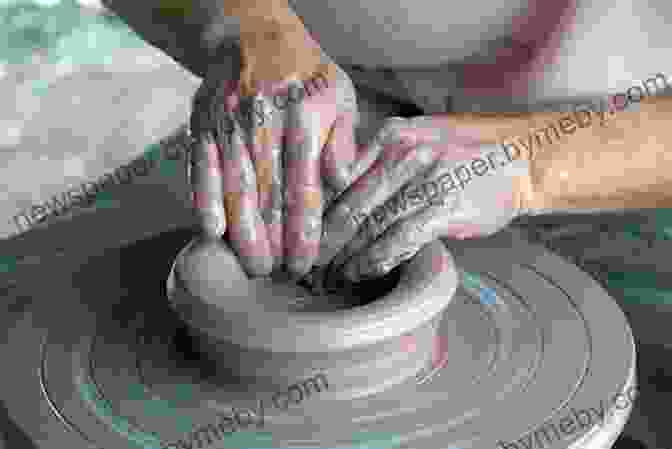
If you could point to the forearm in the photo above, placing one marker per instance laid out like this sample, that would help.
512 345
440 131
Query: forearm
259 32
619 163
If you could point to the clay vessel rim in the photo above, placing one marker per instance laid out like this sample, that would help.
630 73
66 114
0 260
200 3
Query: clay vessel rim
420 296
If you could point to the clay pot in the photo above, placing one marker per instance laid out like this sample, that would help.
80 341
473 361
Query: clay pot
275 333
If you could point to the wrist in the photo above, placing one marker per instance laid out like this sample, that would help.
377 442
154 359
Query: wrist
497 129
277 49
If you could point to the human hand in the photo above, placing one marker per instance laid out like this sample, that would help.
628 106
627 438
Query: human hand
269 156
429 180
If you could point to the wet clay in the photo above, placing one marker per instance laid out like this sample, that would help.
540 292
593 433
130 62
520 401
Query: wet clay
277 332
213 271
219 274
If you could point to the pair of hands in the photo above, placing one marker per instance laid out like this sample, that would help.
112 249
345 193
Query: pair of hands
280 171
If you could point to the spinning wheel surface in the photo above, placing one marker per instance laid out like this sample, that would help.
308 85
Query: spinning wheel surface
526 339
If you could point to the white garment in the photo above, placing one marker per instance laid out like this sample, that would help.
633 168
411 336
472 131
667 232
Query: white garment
602 47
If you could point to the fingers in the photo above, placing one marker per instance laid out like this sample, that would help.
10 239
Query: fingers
399 243
415 196
266 154
364 160
436 189
205 175
444 211
246 227
339 153
303 220
368 155
397 165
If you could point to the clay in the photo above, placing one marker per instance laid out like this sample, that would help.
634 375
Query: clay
218 273
276 333
116 369
232 284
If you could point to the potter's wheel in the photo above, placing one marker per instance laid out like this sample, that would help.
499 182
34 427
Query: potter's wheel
529 339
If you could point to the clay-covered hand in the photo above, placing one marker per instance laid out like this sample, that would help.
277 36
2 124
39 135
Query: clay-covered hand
428 181
272 146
